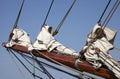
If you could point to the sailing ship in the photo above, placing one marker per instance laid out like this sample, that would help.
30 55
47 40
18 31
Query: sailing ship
93 58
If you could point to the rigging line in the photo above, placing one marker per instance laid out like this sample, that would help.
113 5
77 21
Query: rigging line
111 13
48 13
62 21
111 59
24 65
58 69
35 59
104 12
42 67
28 69
53 67
33 67
26 56
16 64
56 62
16 22
52 60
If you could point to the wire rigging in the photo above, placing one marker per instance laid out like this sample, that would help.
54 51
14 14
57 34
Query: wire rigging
17 19
16 64
33 66
42 67
62 21
48 13
26 56
9 50
110 14
40 62
112 11
99 21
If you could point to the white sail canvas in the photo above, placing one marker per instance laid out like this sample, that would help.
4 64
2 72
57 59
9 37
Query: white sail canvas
46 41
19 37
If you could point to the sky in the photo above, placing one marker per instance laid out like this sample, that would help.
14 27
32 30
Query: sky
73 33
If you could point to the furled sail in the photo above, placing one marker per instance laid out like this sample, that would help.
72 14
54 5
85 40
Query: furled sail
99 42
19 37
46 41
103 42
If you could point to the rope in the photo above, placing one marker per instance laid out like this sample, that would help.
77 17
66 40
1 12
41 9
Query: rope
25 57
104 11
34 59
42 67
33 66
16 64
60 24
16 22
50 66
111 59
54 61
111 13
25 65
111 66
48 13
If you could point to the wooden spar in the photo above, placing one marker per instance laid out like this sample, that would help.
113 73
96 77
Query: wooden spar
68 61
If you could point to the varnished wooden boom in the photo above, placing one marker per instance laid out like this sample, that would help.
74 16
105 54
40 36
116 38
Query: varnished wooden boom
68 61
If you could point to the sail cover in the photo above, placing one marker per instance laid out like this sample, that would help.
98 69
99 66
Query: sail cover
46 41
97 49
105 43
20 37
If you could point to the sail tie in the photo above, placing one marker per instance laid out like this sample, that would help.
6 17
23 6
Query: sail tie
76 63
